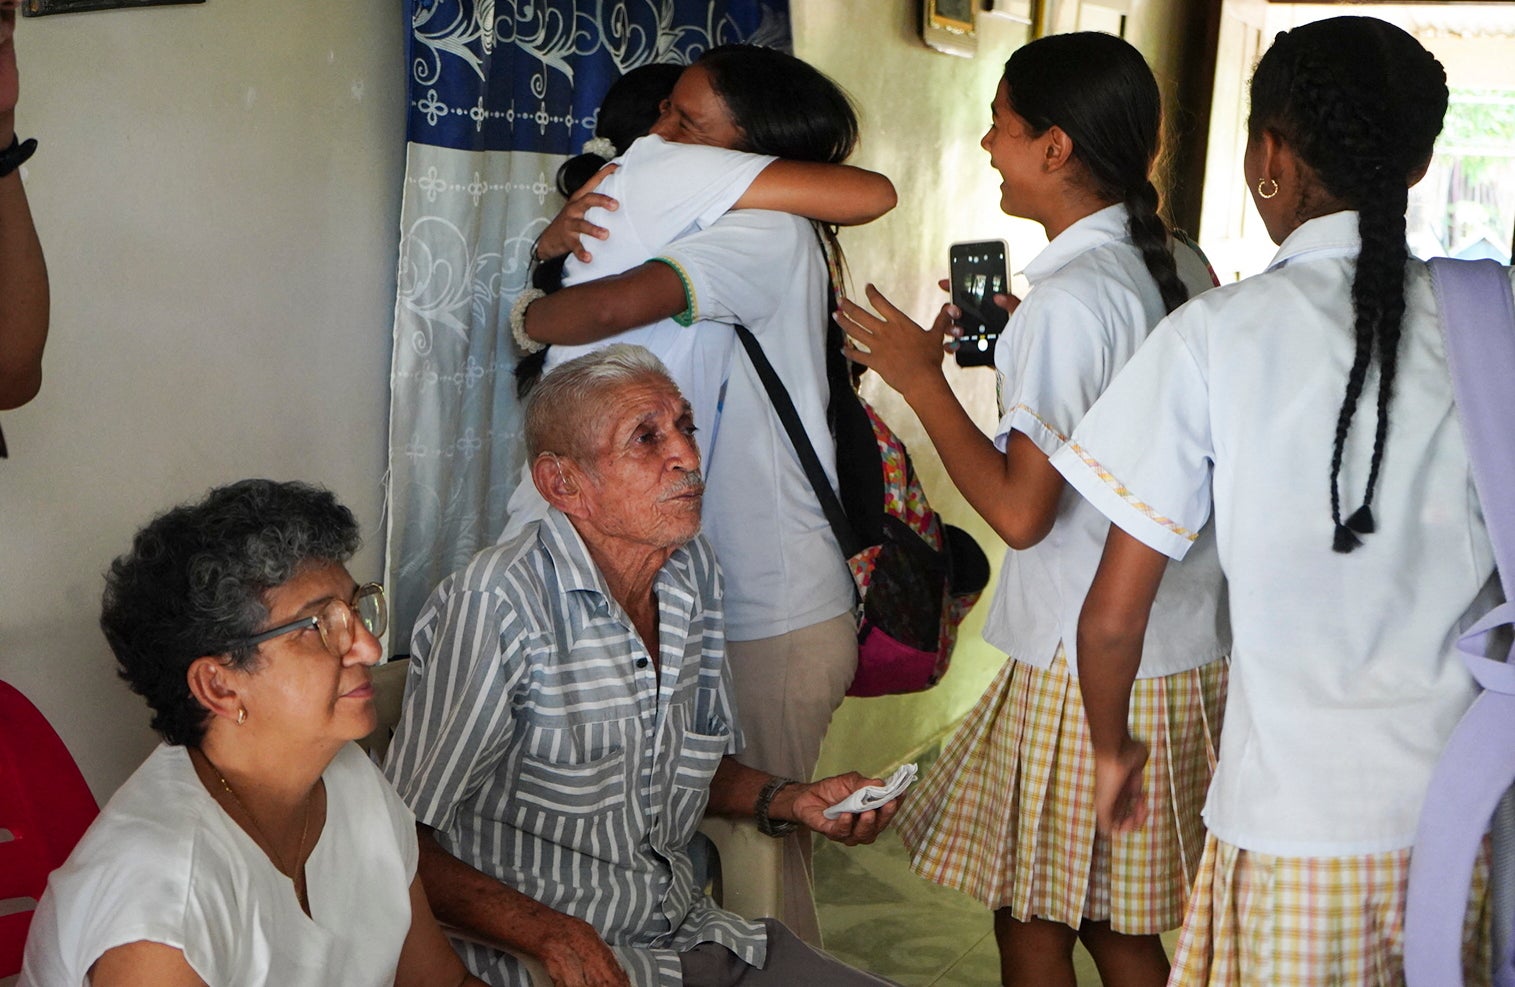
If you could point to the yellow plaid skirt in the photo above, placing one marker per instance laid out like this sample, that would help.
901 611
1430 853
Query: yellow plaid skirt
1006 814
1257 920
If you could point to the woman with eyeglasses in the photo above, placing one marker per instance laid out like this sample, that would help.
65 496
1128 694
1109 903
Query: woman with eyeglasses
257 844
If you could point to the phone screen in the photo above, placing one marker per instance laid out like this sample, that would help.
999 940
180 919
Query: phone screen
979 272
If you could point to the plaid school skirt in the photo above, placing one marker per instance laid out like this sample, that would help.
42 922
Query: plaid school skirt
1256 920
1006 814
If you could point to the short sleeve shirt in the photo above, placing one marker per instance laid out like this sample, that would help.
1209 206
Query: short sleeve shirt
547 750
1091 305
1344 678
665 191
165 863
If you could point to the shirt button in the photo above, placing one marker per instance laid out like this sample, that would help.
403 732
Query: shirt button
641 663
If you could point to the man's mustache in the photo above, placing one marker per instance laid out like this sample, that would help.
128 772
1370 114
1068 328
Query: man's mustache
693 480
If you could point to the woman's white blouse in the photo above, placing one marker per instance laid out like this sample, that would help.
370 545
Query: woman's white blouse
164 863
1344 682
1091 305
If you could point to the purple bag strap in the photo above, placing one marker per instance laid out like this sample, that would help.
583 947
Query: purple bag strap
1477 766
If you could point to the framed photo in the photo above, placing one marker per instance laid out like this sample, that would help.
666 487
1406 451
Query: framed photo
41 8
1062 16
949 26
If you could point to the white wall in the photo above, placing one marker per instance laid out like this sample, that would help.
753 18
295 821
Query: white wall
217 191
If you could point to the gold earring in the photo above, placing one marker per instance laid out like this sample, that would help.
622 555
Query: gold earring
241 715
1267 195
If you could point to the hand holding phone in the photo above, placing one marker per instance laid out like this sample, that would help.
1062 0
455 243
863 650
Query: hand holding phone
979 270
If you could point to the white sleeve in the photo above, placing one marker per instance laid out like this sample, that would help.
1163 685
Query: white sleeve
1053 359
664 189
739 269
1143 454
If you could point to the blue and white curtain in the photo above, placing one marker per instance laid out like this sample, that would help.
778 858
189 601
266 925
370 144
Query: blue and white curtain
500 93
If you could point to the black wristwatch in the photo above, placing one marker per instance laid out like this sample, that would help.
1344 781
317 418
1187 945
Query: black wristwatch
15 156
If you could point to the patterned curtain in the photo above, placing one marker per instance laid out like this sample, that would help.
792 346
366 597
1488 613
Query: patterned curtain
500 93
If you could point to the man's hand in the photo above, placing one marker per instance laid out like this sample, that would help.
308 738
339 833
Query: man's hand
564 235
1120 804
576 956
807 804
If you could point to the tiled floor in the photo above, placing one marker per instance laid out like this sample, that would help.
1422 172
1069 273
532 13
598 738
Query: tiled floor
877 915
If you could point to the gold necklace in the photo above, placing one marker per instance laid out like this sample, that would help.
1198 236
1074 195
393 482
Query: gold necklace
295 875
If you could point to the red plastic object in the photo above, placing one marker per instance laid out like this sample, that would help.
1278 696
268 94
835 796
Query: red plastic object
45 805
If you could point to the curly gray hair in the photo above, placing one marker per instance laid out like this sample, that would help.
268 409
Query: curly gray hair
196 580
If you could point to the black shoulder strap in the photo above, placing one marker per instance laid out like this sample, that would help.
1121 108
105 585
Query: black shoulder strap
789 417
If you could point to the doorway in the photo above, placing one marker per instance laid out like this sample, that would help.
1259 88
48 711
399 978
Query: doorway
1464 207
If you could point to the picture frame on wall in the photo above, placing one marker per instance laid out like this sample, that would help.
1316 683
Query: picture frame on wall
1062 16
950 26
42 8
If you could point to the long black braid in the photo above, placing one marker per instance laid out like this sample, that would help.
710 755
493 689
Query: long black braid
1360 102
1101 92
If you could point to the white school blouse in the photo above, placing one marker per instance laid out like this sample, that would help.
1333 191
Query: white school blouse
665 191
1092 303
1344 681
784 570
165 863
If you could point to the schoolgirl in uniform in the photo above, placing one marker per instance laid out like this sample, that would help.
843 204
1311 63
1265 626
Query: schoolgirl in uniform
659 190
1309 408
1007 814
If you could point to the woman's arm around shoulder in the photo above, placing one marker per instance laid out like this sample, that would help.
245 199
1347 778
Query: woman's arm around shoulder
143 964
596 310
831 193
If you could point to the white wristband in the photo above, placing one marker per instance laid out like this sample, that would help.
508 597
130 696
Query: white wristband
518 320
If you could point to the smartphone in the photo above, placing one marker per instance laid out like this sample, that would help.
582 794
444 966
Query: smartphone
979 270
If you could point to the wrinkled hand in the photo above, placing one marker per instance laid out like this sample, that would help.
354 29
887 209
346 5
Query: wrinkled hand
565 234
576 956
850 828
10 85
1120 804
890 343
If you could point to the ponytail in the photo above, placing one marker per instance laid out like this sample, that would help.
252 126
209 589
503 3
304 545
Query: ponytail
1151 236
1099 90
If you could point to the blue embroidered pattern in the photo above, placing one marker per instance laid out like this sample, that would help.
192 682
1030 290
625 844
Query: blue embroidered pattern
528 75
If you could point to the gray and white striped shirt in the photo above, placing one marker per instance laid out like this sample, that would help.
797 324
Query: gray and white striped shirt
542 744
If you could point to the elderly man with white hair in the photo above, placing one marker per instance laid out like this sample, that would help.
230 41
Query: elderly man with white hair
568 717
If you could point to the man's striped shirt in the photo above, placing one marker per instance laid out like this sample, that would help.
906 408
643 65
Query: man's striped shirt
546 749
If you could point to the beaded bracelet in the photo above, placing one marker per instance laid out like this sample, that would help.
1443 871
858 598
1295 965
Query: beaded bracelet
518 320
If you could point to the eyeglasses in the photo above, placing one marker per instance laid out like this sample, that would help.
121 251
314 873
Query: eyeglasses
335 621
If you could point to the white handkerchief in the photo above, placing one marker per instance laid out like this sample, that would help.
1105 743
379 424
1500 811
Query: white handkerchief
874 796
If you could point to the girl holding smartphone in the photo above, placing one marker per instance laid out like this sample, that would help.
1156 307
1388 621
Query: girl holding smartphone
1007 813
